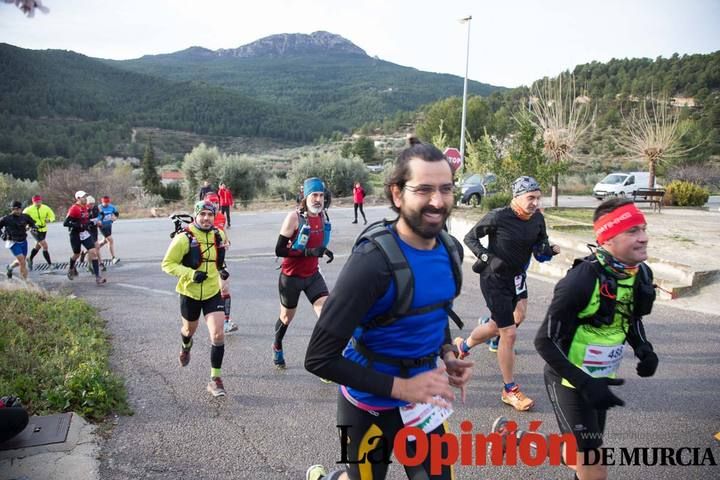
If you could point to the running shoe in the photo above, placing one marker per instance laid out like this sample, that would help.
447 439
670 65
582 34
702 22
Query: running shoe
185 356
230 327
100 280
516 399
278 358
216 387
115 260
493 345
72 273
325 380
103 268
458 342
316 472
30 264
354 221
8 271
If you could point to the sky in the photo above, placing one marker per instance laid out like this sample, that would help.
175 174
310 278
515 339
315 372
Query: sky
512 42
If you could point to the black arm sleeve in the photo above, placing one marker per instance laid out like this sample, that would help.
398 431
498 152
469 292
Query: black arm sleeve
71 223
481 229
544 242
282 249
636 335
363 280
30 220
552 341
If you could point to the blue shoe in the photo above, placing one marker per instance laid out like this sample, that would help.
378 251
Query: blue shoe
493 344
278 358
483 321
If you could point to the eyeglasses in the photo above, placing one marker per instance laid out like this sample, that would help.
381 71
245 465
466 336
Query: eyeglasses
428 190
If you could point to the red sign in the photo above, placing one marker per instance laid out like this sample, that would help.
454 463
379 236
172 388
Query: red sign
454 157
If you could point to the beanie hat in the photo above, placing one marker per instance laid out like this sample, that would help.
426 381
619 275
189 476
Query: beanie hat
524 184
204 205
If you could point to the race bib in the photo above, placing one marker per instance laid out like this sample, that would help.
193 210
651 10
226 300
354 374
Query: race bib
520 283
602 360
424 416
84 235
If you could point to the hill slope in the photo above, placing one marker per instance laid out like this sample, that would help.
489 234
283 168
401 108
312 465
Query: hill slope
320 73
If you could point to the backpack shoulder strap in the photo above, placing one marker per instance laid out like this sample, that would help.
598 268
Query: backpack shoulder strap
455 259
382 238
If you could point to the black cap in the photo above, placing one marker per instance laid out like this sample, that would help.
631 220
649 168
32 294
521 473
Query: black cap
16 204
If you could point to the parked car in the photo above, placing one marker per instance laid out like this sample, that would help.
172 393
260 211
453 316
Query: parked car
621 184
475 187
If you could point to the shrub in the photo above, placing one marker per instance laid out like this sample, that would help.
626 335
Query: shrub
171 192
339 174
497 200
55 355
242 175
686 194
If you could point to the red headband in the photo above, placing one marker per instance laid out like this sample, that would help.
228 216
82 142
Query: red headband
617 221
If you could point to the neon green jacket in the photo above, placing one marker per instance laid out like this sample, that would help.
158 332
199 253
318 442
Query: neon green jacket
172 264
42 215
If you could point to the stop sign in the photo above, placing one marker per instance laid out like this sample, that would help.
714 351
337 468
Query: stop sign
454 157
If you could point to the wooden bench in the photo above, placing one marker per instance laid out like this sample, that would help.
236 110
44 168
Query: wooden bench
653 196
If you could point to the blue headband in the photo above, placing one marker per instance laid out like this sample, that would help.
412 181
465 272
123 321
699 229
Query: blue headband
313 185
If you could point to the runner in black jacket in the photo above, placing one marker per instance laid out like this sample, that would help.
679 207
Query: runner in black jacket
15 229
514 233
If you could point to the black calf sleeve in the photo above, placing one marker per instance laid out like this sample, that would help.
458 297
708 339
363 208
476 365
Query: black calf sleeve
46 254
280 329
216 355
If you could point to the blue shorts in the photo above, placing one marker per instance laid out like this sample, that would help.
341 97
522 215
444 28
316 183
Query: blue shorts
19 248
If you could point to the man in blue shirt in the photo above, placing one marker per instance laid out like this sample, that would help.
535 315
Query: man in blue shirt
386 369
108 214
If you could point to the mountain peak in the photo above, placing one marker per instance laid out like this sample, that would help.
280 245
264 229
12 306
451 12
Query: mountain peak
294 43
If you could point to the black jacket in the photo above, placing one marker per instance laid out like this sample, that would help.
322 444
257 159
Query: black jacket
16 226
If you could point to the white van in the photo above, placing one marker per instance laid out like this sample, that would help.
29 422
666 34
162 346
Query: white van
621 184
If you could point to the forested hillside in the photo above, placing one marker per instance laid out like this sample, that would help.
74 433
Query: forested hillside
320 73
614 89
58 103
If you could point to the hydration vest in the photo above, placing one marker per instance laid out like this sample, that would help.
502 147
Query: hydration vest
193 259
378 234
382 238
304 230
643 292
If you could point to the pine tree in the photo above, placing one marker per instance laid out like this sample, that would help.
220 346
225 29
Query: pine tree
150 177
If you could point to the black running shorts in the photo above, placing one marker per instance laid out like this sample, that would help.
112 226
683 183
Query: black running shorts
290 288
76 243
106 230
501 296
363 426
190 308
574 415
38 236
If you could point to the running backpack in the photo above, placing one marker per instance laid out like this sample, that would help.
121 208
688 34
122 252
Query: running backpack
379 235
643 292
303 232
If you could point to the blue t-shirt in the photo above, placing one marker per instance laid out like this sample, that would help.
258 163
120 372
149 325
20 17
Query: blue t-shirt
106 213
413 336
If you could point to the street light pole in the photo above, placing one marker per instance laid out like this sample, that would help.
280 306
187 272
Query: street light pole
464 107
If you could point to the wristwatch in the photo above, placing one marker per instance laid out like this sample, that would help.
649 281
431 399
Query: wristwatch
484 257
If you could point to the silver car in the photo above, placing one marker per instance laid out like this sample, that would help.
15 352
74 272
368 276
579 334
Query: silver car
475 187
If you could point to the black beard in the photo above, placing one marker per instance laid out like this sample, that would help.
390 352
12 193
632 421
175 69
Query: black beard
418 226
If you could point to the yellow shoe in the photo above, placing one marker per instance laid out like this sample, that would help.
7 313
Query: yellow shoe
516 399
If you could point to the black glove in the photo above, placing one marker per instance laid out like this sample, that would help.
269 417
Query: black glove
315 252
330 255
648 361
479 266
224 274
199 277
596 392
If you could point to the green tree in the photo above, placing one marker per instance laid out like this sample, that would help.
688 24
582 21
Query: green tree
364 148
242 175
339 174
150 177
199 165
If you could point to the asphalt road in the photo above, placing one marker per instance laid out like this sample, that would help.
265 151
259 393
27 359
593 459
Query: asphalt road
274 424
